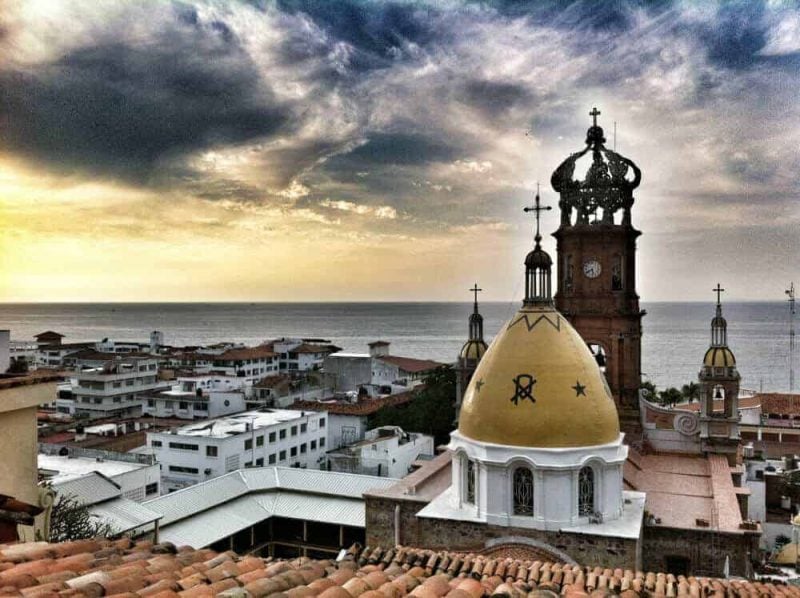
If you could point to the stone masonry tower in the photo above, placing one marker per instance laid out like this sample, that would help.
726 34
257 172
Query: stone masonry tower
596 247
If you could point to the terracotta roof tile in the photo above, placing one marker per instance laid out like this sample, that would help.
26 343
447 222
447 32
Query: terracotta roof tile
161 570
361 407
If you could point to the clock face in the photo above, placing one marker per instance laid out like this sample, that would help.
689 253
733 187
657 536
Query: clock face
591 268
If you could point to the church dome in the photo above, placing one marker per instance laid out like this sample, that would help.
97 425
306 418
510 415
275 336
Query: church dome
473 349
538 385
719 357
538 258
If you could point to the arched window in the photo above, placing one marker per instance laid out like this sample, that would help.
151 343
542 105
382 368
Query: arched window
523 491
469 486
586 491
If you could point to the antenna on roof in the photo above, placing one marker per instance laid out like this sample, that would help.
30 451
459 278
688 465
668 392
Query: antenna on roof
790 293
615 135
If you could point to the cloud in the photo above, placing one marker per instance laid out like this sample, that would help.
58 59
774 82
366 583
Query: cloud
379 212
419 118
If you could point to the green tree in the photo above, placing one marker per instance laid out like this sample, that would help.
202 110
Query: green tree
432 410
650 391
670 396
72 520
691 391
18 366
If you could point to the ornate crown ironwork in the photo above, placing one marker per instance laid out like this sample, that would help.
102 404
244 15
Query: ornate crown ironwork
606 185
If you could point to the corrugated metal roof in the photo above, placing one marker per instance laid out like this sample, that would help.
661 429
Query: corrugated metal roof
326 509
206 528
190 501
89 489
198 498
315 480
124 514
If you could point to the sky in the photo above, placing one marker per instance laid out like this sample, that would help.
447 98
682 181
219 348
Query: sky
295 150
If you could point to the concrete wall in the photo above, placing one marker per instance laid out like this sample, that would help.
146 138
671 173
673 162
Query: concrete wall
349 372
345 429
465 536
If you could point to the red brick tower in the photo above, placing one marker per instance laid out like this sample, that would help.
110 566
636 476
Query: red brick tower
596 246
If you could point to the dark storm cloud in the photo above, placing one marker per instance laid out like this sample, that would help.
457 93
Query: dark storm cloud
123 109
379 32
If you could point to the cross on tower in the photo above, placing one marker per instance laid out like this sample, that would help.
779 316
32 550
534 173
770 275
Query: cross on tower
476 290
594 114
538 208
719 290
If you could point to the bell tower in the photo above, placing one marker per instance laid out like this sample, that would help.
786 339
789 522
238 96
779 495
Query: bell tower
719 383
596 247
471 352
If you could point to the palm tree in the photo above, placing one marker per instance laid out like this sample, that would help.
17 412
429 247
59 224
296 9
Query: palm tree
691 391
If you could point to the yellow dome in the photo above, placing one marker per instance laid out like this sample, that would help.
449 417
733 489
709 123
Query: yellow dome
719 357
539 386
473 350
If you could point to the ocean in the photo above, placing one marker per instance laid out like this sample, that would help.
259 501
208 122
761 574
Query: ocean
675 336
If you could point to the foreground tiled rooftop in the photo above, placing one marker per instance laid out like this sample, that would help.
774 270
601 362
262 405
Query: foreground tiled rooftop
122 568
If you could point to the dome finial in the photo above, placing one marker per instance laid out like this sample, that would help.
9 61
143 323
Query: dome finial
475 290
719 327
594 114
538 208
538 262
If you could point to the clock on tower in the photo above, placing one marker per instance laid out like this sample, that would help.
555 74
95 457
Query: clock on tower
596 246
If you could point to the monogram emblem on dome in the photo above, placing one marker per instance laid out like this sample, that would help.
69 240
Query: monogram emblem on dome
523 388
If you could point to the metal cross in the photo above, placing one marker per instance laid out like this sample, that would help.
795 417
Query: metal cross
476 290
719 290
594 114
538 208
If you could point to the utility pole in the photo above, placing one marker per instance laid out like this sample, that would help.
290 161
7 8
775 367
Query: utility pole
790 293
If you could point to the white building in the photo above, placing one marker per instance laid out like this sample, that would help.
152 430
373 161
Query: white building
250 363
198 397
302 355
386 451
111 389
138 476
377 371
194 453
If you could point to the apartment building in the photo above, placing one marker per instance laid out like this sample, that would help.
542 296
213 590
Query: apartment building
197 452
198 397
302 355
109 385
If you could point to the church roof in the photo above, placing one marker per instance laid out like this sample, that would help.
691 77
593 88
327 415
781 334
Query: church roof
473 349
719 357
122 567
539 386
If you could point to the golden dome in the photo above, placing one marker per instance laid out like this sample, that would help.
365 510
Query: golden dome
473 349
719 357
539 386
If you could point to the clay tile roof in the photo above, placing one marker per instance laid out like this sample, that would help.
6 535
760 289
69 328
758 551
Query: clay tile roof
409 364
361 407
245 353
122 567
34 377
780 403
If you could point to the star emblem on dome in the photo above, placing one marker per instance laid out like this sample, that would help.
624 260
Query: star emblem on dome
580 389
